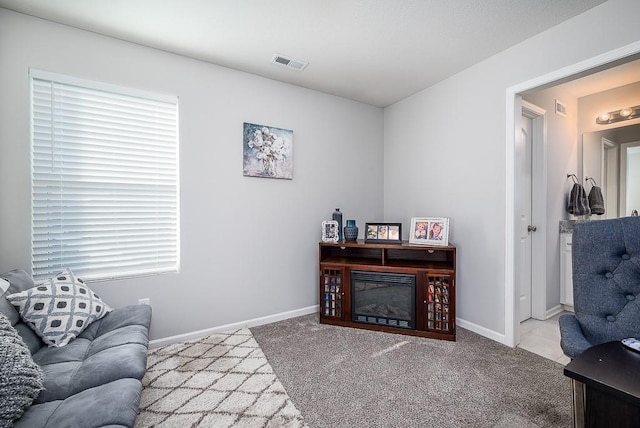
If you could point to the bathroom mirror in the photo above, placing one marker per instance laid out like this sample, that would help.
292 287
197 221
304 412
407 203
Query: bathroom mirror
612 158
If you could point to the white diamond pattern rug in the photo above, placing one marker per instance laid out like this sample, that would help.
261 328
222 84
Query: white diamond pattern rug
223 380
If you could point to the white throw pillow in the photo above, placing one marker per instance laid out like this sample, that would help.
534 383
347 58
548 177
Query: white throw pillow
59 309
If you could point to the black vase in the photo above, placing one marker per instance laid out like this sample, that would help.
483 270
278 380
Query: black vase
337 216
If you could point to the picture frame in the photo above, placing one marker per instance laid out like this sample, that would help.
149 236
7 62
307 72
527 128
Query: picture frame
429 231
390 233
330 231
267 151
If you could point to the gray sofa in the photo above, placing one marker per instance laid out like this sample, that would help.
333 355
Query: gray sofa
95 380
606 284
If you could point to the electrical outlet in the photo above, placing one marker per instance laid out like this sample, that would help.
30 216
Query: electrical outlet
145 301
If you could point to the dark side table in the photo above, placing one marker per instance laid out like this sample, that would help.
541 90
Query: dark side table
606 386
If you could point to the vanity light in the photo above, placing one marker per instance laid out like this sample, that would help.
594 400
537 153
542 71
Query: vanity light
626 113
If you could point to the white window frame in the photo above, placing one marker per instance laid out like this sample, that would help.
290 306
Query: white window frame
105 198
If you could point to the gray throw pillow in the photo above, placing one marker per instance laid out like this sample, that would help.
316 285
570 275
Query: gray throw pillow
20 378
59 309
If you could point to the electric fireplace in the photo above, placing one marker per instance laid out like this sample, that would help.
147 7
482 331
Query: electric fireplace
383 298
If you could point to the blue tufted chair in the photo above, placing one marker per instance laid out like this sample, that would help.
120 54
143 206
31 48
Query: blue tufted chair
606 284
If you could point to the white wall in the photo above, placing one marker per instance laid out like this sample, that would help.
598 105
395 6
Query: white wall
443 155
594 105
249 245
445 150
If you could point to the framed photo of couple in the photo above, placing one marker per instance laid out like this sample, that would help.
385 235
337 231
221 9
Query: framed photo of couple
429 231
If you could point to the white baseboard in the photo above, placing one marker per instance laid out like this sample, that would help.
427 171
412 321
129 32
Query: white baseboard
554 311
156 343
482 331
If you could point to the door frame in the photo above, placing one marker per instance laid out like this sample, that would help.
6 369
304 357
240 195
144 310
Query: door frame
538 118
608 168
513 112
622 191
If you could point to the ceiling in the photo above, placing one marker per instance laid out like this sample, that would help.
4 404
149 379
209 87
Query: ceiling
597 80
377 52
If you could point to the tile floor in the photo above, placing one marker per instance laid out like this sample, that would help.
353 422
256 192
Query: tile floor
543 338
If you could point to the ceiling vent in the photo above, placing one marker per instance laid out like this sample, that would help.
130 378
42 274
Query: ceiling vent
292 63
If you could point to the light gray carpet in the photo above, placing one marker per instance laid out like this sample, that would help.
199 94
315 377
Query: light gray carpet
345 377
222 380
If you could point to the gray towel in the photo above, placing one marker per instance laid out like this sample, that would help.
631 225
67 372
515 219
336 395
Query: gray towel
578 202
596 201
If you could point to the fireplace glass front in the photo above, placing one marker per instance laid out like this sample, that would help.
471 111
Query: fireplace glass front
383 298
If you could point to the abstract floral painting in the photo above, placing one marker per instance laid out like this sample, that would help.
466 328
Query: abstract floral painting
267 151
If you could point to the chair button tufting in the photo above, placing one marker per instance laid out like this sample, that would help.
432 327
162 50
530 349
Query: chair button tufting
608 275
631 297
626 257
611 318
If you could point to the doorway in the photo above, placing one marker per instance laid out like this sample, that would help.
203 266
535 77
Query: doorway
514 113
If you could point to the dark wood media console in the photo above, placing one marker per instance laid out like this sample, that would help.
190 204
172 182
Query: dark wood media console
425 277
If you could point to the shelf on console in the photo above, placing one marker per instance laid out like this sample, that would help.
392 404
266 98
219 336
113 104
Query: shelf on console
393 255
431 265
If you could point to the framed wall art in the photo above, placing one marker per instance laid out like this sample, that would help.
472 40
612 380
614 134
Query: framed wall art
429 231
330 231
267 151
383 232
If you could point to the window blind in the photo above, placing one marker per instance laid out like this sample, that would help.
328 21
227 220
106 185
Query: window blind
104 180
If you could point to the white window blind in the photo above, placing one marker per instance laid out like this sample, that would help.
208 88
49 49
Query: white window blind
104 179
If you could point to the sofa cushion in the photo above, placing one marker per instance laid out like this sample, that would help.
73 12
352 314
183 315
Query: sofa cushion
7 308
114 404
111 348
19 280
20 378
60 308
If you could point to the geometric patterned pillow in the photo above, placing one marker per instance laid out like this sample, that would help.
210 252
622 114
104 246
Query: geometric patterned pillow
60 308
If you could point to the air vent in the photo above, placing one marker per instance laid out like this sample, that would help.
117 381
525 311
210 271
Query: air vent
292 63
561 108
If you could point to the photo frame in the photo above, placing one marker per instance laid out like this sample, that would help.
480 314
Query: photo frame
330 231
429 231
383 233
267 151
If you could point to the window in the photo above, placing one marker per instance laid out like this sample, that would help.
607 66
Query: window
104 189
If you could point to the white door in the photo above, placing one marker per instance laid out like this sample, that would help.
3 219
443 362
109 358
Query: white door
523 159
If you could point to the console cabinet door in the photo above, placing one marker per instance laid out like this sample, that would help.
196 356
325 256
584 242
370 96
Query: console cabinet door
438 303
566 270
332 297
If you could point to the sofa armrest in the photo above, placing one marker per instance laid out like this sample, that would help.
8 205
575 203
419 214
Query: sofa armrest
121 317
572 340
